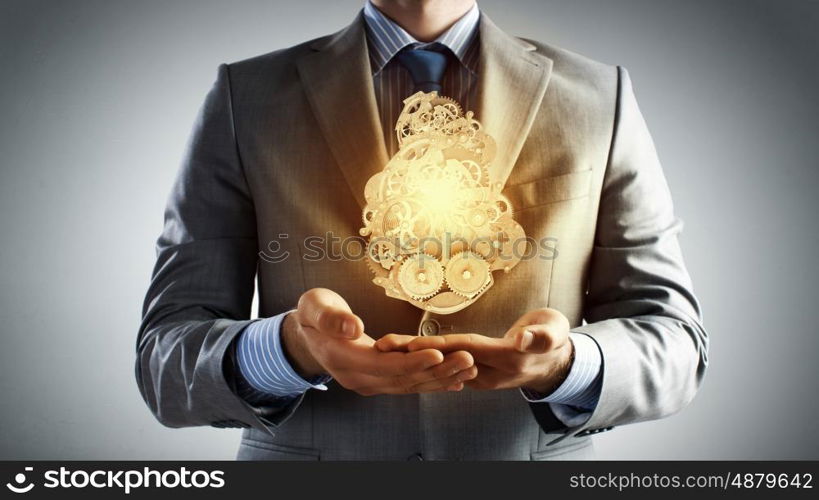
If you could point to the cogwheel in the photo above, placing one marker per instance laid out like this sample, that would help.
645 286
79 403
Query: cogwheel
367 217
379 269
421 276
477 173
382 253
417 151
477 218
415 106
509 245
467 274
374 188
449 103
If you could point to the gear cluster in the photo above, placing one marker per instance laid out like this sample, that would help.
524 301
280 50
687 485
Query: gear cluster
437 224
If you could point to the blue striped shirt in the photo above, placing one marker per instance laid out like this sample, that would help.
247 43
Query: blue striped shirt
265 374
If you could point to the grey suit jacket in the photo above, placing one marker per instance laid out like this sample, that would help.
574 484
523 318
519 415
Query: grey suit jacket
284 145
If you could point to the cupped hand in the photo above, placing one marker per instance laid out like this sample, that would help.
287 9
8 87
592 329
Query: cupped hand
323 336
535 353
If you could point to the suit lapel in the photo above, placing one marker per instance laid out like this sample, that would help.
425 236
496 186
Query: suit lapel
512 81
339 86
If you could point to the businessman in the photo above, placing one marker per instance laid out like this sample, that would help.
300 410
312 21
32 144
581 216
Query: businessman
606 332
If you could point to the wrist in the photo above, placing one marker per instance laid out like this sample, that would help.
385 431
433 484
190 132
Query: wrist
549 382
296 350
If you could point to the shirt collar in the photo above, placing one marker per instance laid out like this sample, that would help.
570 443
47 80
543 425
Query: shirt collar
386 38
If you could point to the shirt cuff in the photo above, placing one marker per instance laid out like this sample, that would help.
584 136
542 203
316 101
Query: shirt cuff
581 388
263 364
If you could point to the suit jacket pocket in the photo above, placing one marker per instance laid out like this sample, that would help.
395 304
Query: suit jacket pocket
549 190
251 449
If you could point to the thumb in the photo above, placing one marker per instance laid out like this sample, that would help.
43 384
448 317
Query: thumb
532 339
539 331
328 312
340 323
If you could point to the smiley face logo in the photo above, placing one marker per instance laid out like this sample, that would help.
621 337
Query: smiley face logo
20 479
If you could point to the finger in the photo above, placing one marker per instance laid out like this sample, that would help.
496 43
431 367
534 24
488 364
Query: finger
453 363
454 370
369 361
471 342
491 378
327 312
543 316
403 384
533 339
538 339
538 331
394 342
457 381
400 363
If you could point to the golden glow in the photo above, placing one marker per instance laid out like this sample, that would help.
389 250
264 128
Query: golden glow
440 196
437 225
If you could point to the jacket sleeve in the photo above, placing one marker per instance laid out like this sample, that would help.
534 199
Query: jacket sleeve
640 307
200 295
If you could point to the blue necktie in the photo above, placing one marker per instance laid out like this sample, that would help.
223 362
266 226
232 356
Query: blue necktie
426 67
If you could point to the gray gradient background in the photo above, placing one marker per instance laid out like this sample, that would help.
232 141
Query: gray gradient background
98 98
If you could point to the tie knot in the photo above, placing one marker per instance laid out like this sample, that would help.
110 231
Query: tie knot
426 66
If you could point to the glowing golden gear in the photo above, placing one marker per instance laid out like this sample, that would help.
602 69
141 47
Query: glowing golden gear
467 274
438 225
421 276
